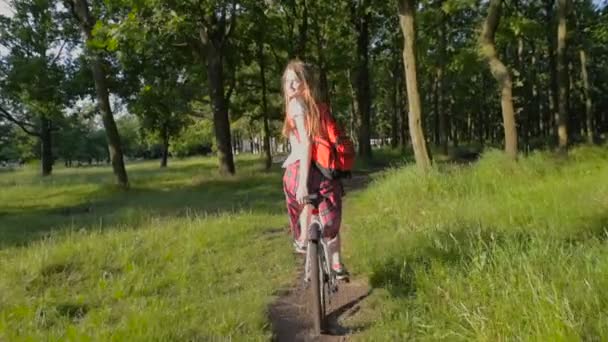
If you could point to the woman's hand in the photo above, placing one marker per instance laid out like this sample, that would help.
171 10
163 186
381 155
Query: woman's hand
301 193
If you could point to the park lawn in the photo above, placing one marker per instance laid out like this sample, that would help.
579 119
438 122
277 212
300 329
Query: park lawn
496 251
185 254
490 251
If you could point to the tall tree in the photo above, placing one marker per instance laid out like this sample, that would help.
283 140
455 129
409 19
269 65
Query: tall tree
81 13
215 27
407 12
441 111
203 30
500 72
156 83
261 57
32 77
553 89
562 74
300 51
361 18
588 101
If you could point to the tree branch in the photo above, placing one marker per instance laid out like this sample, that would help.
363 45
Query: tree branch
205 26
23 125
277 59
231 89
198 115
59 53
232 20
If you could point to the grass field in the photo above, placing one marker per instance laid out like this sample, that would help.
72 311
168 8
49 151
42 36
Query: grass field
184 255
492 251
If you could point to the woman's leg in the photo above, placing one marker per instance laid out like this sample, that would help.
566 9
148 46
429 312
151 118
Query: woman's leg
331 215
334 251
305 216
294 209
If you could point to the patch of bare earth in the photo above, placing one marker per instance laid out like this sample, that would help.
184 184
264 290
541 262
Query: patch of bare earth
291 320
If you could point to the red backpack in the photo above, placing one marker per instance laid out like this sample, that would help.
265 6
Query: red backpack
333 152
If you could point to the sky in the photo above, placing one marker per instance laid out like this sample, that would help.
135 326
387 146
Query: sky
4 8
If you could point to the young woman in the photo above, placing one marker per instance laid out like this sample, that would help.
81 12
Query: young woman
302 124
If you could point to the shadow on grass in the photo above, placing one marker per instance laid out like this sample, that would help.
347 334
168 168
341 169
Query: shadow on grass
191 196
188 188
337 329
468 247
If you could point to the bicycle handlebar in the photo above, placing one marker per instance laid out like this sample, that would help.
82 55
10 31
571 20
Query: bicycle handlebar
311 197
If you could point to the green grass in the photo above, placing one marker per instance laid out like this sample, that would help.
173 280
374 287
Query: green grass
184 255
494 251
31 207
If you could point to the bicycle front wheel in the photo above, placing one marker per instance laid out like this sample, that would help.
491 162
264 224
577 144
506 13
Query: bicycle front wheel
315 288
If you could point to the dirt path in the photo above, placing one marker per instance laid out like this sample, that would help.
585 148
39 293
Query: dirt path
291 320
289 316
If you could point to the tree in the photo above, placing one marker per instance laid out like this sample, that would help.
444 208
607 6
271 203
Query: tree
361 18
262 36
562 74
32 75
586 21
162 110
214 30
81 13
407 10
501 74
202 29
157 85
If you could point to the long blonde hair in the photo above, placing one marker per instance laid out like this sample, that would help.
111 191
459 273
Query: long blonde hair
306 75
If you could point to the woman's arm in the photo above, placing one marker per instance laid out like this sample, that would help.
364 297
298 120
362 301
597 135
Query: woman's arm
298 115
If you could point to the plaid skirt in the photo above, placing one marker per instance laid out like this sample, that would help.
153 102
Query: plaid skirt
330 205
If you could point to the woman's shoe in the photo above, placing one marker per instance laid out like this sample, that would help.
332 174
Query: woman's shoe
298 247
341 272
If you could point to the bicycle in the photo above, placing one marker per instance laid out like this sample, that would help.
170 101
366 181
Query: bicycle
321 281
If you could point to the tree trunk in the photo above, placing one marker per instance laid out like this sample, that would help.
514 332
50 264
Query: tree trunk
221 123
500 72
396 107
586 94
553 97
354 109
261 61
165 147
441 111
523 96
435 100
323 82
402 112
302 32
362 83
562 75
80 10
46 151
407 10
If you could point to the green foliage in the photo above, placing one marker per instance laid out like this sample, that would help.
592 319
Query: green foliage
195 139
25 146
129 128
31 75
